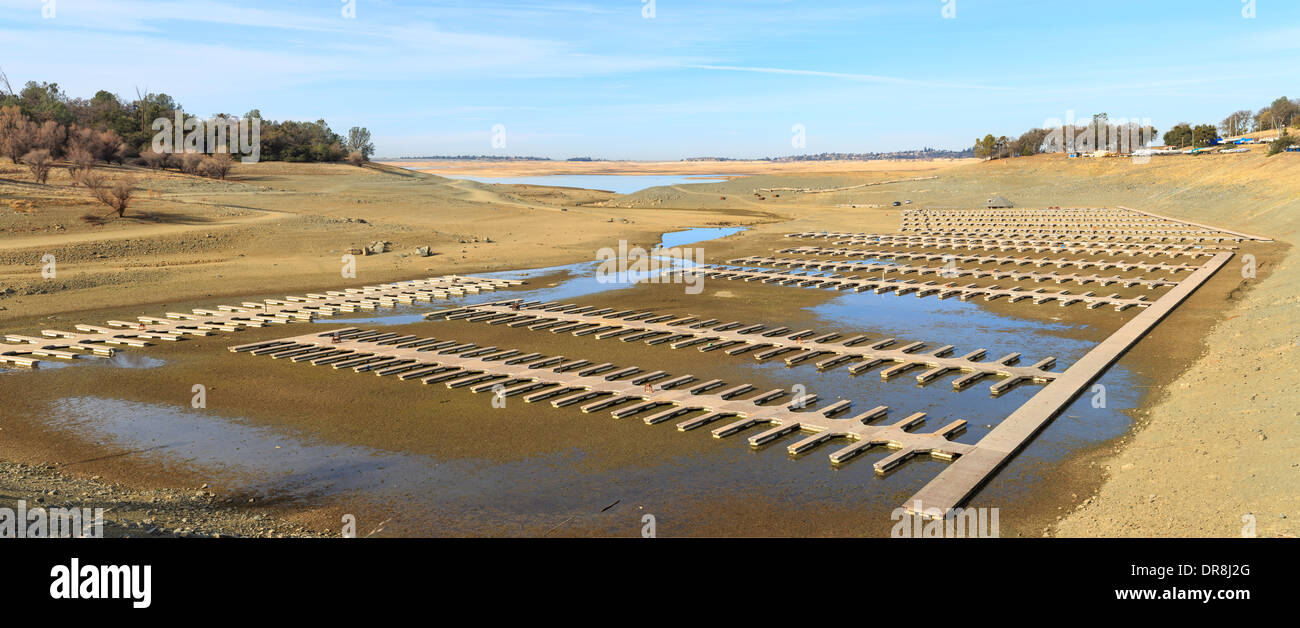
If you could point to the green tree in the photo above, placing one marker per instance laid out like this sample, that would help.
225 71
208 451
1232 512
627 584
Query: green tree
359 142
1204 135
1029 143
45 101
1179 136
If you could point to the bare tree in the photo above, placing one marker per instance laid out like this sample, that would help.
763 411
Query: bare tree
50 136
217 166
1234 123
80 161
16 133
116 193
39 162
104 146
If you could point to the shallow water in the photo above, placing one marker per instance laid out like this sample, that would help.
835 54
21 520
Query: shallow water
122 359
468 496
936 322
438 496
696 235
558 283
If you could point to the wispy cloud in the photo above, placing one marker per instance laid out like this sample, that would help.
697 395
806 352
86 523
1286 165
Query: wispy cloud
869 78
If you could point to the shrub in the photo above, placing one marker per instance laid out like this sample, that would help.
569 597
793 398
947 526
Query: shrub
217 166
115 194
105 146
79 161
154 159
39 162
1280 144
190 162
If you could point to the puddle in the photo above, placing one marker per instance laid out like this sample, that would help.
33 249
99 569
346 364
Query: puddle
43 365
129 359
134 360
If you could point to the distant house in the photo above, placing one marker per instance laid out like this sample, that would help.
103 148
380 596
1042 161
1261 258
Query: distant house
997 202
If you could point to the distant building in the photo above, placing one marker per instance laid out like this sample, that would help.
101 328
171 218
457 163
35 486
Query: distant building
997 202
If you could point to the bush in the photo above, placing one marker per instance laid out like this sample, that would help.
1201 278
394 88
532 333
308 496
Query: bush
1280 144
79 161
154 159
39 162
356 158
190 162
216 166
115 194
105 146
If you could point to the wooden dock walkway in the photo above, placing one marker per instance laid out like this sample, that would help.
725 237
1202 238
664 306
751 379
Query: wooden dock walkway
764 341
1037 262
955 484
1121 248
228 318
922 289
951 273
566 382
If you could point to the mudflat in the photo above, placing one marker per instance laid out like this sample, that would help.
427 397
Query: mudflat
1199 444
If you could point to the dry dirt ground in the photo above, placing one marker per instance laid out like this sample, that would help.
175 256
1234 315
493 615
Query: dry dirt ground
1219 441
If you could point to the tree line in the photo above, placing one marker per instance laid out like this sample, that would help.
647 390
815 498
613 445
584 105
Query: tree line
41 125
112 129
1280 115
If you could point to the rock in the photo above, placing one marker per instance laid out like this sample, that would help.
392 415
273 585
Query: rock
423 251
376 248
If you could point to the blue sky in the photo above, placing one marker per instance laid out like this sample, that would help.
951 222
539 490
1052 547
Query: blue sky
723 78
